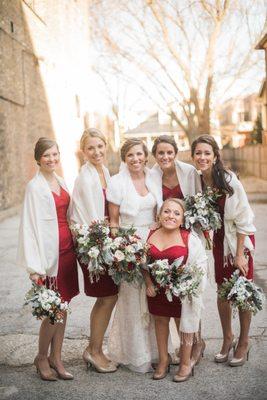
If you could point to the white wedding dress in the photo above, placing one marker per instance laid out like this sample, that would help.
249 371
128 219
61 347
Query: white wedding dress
132 339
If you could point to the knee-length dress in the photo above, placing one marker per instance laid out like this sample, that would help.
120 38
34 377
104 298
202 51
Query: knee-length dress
66 281
105 285
224 268
160 305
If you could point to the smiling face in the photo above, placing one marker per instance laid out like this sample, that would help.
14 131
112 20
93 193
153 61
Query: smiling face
204 157
165 155
49 160
172 215
94 150
135 158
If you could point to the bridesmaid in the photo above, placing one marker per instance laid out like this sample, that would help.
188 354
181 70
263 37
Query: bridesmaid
170 242
231 244
46 250
89 204
175 179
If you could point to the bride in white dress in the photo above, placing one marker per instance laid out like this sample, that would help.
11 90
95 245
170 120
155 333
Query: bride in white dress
132 202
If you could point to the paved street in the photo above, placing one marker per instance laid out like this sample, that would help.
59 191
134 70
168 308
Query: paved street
18 342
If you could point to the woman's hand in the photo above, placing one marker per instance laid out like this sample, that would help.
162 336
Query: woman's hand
37 279
241 263
150 290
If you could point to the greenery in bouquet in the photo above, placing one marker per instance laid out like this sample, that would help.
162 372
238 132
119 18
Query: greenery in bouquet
46 303
92 245
176 279
129 255
202 212
242 293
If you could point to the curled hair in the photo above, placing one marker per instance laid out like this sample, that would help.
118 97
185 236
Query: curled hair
131 143
220 175
180 202
91 133
164 139
41 146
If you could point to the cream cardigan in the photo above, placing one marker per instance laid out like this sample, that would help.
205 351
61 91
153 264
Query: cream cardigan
187 175
38 246
88 202
238 217
191 310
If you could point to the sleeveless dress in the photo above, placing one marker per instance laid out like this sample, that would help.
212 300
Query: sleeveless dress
160 305
223 270
175 192
66 281
105 285
132 340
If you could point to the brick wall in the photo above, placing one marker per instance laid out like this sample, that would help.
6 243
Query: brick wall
44 48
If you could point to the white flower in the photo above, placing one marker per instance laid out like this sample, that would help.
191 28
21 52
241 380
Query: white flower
117 241
93 252
130 248
119 255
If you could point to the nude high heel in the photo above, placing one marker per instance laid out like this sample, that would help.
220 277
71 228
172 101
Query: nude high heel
45 377
88 359
178 378
221 358
67 376
238 362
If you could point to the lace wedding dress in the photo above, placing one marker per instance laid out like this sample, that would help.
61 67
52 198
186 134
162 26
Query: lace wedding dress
132 340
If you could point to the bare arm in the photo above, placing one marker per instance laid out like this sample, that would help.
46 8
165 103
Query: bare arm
240 261
114 216
150 288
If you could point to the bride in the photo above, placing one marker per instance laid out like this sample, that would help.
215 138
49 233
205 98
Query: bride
132 202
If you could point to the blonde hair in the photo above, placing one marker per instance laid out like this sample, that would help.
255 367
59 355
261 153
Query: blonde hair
41 146
131 143
174 200
92 132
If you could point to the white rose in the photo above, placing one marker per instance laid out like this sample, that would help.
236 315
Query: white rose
93 252
119 255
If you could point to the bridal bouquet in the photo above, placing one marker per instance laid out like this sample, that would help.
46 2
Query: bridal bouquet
176 279
93 247
201 211
242 293
46 303
129 254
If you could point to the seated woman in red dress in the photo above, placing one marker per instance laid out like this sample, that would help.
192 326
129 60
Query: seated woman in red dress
46 250
88 204
170 242
231 244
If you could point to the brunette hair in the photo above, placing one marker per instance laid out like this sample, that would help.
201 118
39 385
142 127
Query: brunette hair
221 177
92 132
164 139
180 202
41 146
129 144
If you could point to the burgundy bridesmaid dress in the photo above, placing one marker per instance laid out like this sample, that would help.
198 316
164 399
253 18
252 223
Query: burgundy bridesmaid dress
160 305
66 281
105 285
222 269
175 193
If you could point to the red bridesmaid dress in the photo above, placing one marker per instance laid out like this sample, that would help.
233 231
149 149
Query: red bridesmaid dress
223 270
160 305
66 281
105 285
175 193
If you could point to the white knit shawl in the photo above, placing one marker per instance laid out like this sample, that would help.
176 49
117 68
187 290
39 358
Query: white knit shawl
38 246
88 202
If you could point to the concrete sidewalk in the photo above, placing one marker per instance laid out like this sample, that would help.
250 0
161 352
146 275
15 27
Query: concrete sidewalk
19 336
